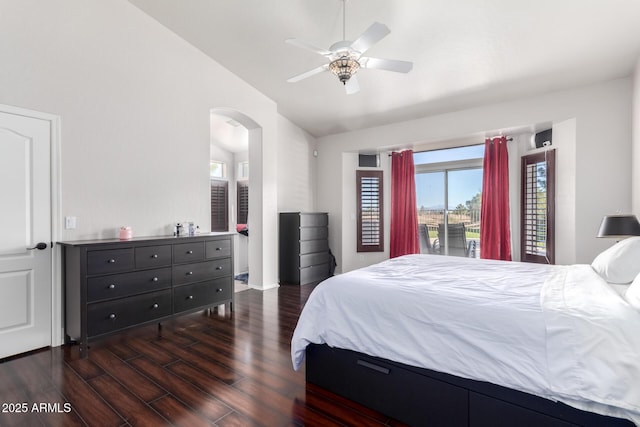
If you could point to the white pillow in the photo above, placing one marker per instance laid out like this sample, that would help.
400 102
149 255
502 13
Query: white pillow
621 262
633 293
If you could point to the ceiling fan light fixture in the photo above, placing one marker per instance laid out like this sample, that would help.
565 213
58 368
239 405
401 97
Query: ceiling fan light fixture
344 67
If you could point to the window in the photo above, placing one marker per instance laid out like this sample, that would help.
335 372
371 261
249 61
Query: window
538 212
370 211
219 196
219 205
243 201
448 195
243 170
217 169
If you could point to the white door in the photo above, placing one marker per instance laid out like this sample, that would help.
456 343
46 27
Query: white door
25 221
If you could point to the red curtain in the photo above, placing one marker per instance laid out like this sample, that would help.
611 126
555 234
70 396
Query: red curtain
404 211
495 234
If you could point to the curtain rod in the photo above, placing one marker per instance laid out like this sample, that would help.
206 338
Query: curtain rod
509 138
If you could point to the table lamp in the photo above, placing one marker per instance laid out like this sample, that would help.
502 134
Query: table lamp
619 226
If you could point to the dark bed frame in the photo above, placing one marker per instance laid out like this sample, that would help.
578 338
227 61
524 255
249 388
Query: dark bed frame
422 397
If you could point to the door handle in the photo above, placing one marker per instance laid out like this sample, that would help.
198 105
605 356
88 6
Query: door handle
40 246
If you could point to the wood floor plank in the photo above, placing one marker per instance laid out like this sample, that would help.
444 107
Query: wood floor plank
302 415
86 402
236 420
12 393
207 364
246 405
182 389
86 368
280 378
147 349
341 413
294 405
59 417
136 383
215 368
178 413
30 378
132 409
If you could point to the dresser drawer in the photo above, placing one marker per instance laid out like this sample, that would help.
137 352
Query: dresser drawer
314 220
118 314
310 246
218 249
124 284
391 389
309 260
314 273
201 294
191 273
109 261
188 252
153 256
313 233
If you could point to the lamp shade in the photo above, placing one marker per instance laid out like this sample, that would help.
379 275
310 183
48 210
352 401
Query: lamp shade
619 226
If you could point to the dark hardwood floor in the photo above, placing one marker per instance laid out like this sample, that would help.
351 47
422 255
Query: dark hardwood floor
204 369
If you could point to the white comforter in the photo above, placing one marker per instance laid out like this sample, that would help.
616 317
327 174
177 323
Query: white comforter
559 332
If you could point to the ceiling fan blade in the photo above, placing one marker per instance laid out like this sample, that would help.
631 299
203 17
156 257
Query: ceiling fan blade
308 74
352 86
304 45
386 64
371 36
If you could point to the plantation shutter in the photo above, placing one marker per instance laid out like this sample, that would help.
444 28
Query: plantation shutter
243 202
370 211
219 205
538 208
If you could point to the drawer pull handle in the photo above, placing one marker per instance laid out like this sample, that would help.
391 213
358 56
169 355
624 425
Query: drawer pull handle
154 256
155 305
190 297
189 273
112 286
112 316
219 290
189 252
219 267
111 261
155 279
373 367
218 249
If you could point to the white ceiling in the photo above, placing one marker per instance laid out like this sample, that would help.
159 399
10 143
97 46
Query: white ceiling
228 134
465 52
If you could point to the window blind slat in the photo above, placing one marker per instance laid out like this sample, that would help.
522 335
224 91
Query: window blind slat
370 209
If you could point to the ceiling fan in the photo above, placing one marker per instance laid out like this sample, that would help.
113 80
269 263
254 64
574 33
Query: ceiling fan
345 57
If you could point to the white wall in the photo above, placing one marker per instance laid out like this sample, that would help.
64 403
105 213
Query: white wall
297 168
135 101
635 128
596 159
347 191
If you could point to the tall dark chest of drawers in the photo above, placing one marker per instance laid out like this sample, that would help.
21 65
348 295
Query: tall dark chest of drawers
304 247
112 285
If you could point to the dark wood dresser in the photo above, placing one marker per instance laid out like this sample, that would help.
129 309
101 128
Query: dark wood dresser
304 247
112 285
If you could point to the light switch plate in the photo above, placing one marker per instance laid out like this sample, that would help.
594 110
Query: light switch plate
70 222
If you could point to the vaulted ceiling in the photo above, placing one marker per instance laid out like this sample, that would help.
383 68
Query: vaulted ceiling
465 52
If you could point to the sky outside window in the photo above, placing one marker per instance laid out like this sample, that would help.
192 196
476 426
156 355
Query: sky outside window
463 184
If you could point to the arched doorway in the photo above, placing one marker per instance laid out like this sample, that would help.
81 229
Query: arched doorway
262 219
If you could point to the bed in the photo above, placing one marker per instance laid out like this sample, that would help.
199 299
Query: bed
433 340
